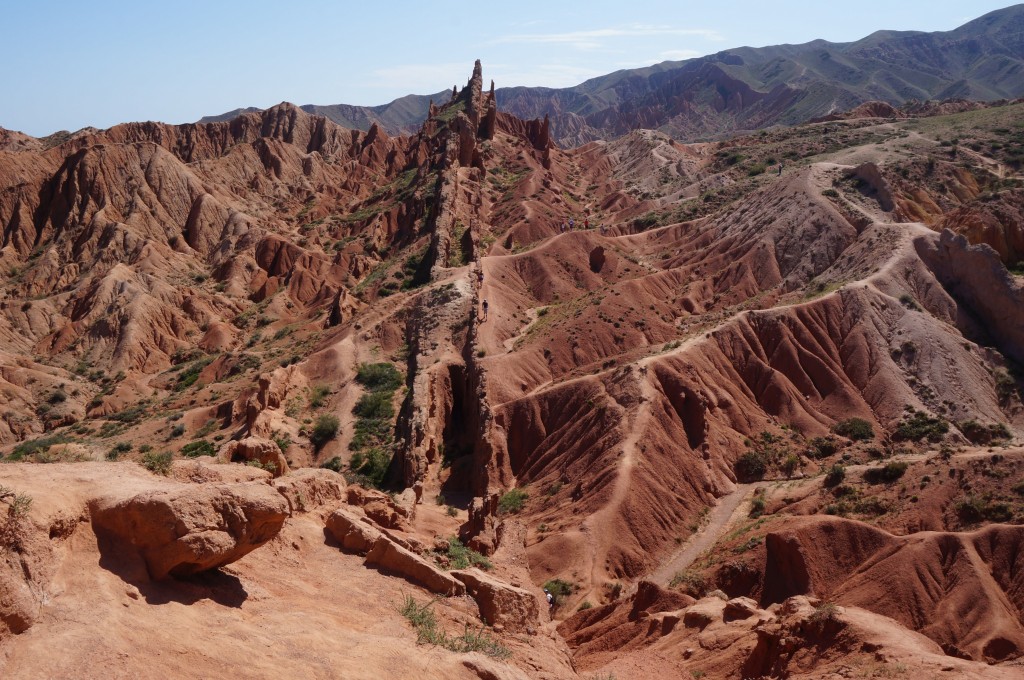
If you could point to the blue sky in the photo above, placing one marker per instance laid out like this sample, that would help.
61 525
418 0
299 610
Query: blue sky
66 65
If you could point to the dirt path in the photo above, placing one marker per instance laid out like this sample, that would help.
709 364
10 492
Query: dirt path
722 517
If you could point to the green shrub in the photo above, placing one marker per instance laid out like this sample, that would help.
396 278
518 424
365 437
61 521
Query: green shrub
835 476
375 406
318 395
118 449
887 474
325 430
198 448
920 426
823 447
690 582
177 430
461 557
857 429
757 505
157 463
976 433
33 446
751 466
376 377
512 502
333 464
790 464
424 622
559 589
371 465
283 441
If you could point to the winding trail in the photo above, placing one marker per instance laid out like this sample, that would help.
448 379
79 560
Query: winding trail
729 511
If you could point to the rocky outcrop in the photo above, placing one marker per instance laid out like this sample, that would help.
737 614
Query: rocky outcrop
264 451
378 506
514 609
352 532
310 488
388 556
189 529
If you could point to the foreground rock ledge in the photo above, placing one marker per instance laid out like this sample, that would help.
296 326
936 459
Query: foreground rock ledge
186 530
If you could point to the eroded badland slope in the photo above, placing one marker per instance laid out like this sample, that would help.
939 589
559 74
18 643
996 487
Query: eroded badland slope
289 398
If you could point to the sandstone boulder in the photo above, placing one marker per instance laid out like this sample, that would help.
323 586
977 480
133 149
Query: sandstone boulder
378 506
500 604
310 488
193 528
264 451
704 612
349 530
391 557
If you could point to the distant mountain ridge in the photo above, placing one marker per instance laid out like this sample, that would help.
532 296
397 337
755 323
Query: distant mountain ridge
749 88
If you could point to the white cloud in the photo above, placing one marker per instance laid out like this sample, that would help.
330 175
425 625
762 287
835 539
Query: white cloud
593 39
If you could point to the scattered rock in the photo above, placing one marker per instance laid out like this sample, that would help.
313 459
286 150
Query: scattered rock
391 557
500 604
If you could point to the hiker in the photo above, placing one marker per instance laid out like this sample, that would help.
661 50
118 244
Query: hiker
586 223
570 224
562 227
603 229
780 169
480 276
484 317
551 598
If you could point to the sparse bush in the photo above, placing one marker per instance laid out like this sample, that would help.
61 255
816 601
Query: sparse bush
976 433
382 376
512 502
823 447
920 426
559 589
856 429
757 505
835 476
691 583
375 406
887 474
198 448
283 441
325 430
424 622
177 431
751 466
371 465
334 464
452 511
318 395
118 449
461 557
790 464
157 463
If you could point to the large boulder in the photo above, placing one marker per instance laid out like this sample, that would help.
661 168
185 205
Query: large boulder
311 488
189 529
352 532
379 507
264 451
391 557
501 604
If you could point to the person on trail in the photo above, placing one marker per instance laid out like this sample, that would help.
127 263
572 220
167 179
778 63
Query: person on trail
562 227
570 224
604 229
480 276
586 223
484 317
780 169
551 599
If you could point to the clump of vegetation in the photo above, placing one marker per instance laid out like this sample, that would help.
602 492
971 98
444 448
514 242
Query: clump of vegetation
974 509
765 451
512 502
977 433
318 395
824 612
428 631
198 448
325 429
758 504
822 447
157 463
835 476
691 583
190 375
369 467
118 448
560 590
12 528
887 474
378 377
461 557
334 464
36 446
920 426
856 429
